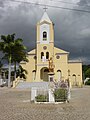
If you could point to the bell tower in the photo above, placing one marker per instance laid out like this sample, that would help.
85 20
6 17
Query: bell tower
45 38
44 42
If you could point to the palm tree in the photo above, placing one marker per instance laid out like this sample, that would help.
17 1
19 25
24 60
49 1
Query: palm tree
18 55
6 47
14 51
21 72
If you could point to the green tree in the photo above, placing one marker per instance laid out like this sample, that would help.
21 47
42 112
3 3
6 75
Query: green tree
19 54
13 51
21 72
6 46
0 68
87 73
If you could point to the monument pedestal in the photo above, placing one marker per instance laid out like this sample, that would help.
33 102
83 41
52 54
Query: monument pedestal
51 80
51 76
51 86
51 96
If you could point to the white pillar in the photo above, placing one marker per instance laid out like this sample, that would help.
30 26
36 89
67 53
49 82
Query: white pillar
33 93
51 96
59 76
69 94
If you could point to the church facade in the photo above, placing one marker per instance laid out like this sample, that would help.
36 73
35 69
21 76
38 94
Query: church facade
39 58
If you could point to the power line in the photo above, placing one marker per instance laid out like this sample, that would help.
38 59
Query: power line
59 1
51 6
64 2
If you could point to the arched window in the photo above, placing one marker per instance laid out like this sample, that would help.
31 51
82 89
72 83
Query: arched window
34 74
34 71
47 55
75 80
74 75
44 35
42 54
58 70
68 72
59 75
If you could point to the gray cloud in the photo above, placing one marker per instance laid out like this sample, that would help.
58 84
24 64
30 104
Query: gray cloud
73 33
1 3
72 29
83 2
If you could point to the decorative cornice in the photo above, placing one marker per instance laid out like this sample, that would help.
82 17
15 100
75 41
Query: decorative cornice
22 62
74 61
31 54
41 64
44 22
61 53
51 42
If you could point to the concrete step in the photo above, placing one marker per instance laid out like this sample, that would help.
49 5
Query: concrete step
24 85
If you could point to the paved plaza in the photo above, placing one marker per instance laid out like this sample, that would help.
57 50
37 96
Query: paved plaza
15 105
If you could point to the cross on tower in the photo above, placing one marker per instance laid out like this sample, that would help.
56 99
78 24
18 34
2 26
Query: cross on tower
45 8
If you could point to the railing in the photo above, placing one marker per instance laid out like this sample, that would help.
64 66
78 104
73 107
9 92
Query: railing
50 95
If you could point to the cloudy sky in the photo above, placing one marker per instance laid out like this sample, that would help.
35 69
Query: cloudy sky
72 28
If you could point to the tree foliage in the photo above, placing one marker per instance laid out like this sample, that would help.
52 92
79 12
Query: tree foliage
86 71
21 72
14 51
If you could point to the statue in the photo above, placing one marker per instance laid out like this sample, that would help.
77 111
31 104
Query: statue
51 65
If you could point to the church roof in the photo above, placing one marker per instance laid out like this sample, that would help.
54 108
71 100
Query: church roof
75 61
32 52
45 17
60 51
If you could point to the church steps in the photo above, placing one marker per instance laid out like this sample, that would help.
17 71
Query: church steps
25 85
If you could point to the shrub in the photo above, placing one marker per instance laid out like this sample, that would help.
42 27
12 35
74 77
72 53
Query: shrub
41 98
60 95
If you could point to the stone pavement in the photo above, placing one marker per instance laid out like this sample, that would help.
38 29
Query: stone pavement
15 105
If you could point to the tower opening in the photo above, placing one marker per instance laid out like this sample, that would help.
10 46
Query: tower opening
42 54
47 55
44 35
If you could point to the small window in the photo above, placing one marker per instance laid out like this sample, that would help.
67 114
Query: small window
44 35
47 55
34 71
58 70
42 54
57 56
35 57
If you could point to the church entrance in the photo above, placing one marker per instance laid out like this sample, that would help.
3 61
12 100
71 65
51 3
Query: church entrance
44 74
